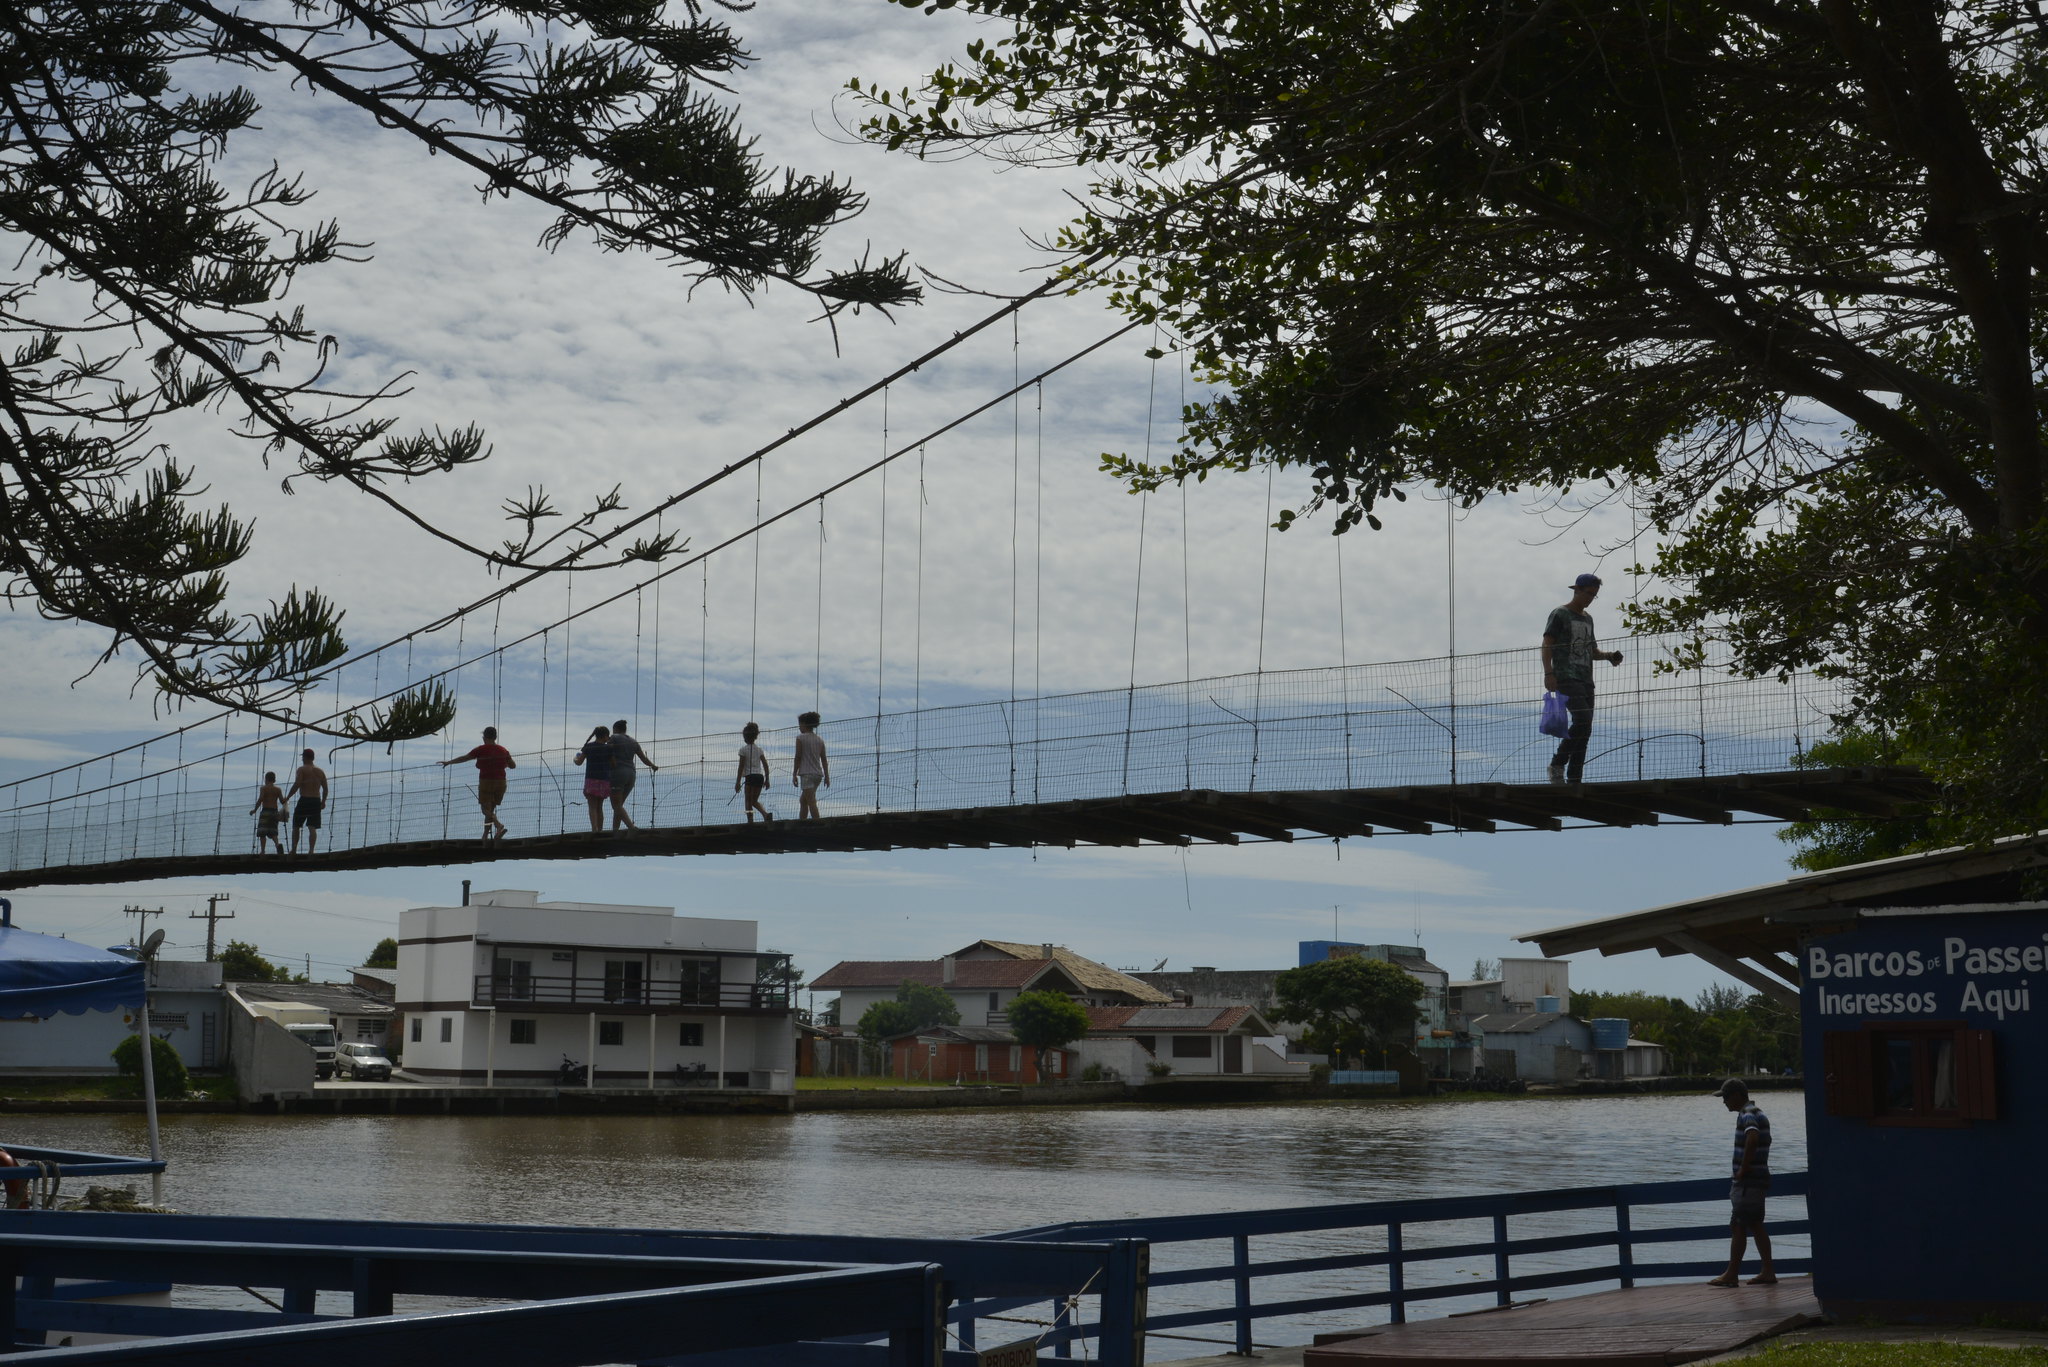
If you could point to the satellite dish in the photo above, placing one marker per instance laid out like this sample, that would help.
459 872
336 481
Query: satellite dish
149 946
1161 964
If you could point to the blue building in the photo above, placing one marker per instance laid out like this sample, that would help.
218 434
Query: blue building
1926 1062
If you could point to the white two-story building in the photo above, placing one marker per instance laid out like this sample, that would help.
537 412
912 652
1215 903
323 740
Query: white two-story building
498 991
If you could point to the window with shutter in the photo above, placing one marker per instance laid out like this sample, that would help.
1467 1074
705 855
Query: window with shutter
1924 1073
1976 1075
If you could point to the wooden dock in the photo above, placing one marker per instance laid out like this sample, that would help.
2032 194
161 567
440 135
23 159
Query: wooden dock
1644 1326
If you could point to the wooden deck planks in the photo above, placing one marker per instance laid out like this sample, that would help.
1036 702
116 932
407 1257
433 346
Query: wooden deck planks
1648 1326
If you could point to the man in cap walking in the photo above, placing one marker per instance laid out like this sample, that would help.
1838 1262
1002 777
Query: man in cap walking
1569 650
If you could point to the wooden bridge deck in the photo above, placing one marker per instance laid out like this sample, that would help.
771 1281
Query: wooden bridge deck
1645 1326
1198 816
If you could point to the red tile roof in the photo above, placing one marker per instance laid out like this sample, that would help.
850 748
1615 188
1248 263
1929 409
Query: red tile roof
968 974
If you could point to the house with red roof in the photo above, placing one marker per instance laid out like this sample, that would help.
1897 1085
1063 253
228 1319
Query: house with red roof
1137 1041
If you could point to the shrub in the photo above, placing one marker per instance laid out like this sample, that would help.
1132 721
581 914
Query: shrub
1159 1069
1094 1072
171 1079
1319 1072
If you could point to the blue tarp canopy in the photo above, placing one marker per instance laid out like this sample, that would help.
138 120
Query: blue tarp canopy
43 975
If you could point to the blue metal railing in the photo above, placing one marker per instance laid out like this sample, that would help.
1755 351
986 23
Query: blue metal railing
1401 1253
803 1292
68 1163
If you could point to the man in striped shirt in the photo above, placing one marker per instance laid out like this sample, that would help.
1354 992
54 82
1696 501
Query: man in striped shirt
1751 1184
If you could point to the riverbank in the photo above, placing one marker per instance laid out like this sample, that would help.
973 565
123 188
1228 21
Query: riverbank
402 1098
405 1098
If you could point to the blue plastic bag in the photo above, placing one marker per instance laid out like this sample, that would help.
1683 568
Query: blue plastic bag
1557 716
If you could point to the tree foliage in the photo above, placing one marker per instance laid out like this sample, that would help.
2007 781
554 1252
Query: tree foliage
1044 1021
1834 838
240 962
144 287
1351 1006
170 1075
1723 1030
916 1006
384 955
1773 272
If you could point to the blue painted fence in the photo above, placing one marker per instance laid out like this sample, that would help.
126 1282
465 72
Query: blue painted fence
722 1299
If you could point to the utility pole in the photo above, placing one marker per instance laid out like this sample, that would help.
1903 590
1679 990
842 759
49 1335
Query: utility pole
142 915
210 916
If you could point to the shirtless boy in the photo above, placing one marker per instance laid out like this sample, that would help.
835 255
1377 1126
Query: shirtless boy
269 801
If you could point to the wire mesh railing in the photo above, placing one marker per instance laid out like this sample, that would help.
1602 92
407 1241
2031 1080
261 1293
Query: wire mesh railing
1464 720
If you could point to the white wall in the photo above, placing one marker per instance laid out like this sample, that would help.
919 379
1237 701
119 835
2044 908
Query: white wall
482 1045
1524 980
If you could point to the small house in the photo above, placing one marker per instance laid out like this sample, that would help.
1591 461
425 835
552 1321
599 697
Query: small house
1134 1041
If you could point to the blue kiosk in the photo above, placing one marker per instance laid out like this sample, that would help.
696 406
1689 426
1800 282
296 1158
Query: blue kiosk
1926 1060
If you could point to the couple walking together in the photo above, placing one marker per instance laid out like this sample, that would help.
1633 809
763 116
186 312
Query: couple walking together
808 769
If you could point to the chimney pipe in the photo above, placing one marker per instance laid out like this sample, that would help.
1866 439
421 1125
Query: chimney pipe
946 970
1048 951
465 892
6 912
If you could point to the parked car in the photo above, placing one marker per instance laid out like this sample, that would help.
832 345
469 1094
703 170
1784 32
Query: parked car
362 1061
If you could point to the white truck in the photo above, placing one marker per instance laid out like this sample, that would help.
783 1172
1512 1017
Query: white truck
310 1025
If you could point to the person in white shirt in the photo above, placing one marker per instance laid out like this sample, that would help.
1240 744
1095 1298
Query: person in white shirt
811 767
753 773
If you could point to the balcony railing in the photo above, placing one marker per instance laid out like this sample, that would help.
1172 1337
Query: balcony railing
598 991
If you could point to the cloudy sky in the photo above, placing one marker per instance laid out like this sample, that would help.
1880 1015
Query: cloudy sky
591 370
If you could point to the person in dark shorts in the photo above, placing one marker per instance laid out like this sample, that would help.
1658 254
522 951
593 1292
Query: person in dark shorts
270 803
492 760
1569 650
625 750
310 783
753 772
1751 1185
596 759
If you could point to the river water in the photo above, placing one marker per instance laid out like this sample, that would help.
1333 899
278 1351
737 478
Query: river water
950 1172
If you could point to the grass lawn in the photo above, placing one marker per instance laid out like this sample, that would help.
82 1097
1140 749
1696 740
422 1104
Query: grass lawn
106 1089
858 1084
1896 1355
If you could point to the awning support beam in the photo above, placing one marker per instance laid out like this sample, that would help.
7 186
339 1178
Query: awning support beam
1734 968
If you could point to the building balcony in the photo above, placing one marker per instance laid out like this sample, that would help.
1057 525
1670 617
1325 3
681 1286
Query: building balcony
610 995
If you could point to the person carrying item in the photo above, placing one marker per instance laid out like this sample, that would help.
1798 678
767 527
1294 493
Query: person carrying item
1752 1183
310 783
810 768
1569 650
269 801
625 750
753 773
492 760
596 759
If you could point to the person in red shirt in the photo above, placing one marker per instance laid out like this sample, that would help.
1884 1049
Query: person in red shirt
492 760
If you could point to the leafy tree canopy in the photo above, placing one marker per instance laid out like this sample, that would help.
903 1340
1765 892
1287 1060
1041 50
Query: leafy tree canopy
143 286
1350 1006
385 955
1044 1021
241 963
1770 271
916 1006
1835 838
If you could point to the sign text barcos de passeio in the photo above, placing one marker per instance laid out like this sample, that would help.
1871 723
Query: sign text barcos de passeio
1951 974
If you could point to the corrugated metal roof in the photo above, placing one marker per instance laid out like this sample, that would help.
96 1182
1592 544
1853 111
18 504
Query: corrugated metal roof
338 999
1520 1024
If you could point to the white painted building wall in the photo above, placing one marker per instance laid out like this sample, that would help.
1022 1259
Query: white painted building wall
454 1035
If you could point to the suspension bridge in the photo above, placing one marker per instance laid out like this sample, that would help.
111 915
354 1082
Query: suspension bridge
1340 751
1414 747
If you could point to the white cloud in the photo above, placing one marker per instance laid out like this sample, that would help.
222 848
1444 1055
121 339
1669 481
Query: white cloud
1356 865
